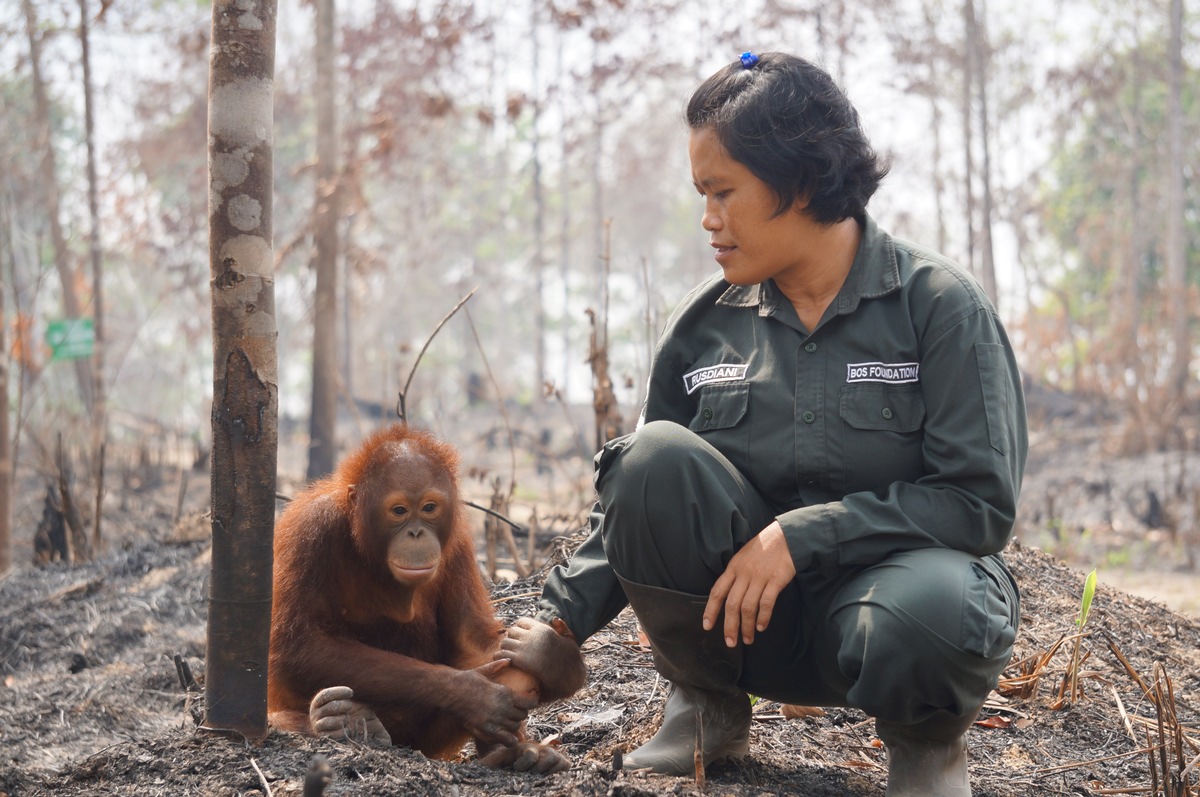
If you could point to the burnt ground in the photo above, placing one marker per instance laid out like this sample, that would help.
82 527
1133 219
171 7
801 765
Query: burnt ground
91 702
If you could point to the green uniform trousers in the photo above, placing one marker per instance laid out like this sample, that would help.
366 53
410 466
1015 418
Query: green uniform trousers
920 632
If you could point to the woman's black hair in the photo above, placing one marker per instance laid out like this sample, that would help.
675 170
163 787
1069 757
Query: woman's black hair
790 124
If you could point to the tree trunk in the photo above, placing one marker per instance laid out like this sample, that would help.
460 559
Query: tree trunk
6 465
968 157
49 176
1126 299
78 547
939 183
322 451
539 224
569 355
1177 283
100 413
982 50
598 210
245 371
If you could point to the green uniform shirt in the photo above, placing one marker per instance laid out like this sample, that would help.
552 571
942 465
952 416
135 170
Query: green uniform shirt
897 424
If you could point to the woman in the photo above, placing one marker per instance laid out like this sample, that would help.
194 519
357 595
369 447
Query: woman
813 507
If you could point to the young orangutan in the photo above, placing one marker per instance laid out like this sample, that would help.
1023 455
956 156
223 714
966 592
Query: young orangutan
381 626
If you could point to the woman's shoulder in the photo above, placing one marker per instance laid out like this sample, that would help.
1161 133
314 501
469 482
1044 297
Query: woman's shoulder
700 298
928 275
707 291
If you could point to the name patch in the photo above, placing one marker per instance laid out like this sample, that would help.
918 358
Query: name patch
892 373
713 374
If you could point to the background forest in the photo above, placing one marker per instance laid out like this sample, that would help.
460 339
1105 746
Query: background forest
533 152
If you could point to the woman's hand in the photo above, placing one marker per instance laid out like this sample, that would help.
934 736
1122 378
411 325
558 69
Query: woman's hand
549 653
750 584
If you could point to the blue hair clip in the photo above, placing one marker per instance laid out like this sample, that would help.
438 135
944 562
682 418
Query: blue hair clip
749 59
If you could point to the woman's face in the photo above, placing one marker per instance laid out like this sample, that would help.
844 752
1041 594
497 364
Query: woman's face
752 243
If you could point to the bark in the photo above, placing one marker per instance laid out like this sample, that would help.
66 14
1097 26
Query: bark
245 372
100 413
1126 301
78 548
49 177
939 183
322 450
6 468
1177 284
608 422
968 157
539 225
982 50
564 224
598 126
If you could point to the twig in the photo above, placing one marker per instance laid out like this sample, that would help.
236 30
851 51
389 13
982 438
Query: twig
653 689
1153 765
1089 762
512 442
495 514
518 596
99 496
1160 708
261 777
183 485
1188 769
523 569
401 410
1124 715
1112 646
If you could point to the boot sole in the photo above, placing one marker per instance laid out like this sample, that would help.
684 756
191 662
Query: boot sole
738 753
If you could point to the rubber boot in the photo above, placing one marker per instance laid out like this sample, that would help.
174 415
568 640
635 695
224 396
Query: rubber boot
703 674
928 759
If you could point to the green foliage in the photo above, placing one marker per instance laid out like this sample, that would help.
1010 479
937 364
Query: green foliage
1103 204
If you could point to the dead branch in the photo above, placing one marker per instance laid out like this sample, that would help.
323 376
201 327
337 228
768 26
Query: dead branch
609 424
401 410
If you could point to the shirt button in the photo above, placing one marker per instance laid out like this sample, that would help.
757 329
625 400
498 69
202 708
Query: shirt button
707 413
810 347
887 413
808 417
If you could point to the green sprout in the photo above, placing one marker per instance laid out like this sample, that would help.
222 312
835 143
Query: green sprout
1071 691
1085 605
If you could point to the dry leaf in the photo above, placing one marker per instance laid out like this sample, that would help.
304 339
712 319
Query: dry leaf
994 722
792 712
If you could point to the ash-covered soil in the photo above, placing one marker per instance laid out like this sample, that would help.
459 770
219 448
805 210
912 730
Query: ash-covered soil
91 702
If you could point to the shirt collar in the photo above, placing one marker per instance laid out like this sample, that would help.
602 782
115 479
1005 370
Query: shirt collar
874 273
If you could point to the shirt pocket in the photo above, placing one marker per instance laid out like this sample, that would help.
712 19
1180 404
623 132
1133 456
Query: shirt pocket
882 436
720 407
883 408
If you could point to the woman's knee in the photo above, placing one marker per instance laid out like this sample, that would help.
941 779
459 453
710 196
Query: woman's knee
653 458
937 639
674 508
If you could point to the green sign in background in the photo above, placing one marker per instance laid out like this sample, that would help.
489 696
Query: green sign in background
71 338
